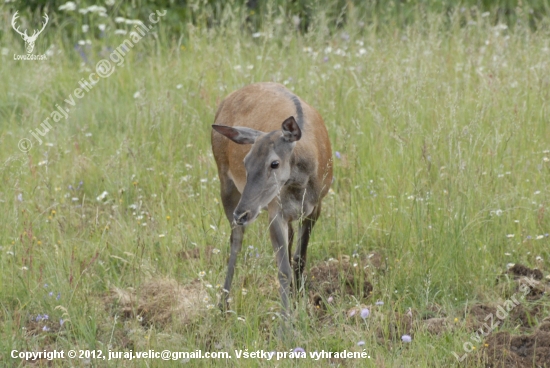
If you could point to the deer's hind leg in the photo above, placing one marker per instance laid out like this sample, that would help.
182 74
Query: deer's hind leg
299 259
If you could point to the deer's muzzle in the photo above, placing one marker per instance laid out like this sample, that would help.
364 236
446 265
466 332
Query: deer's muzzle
241 218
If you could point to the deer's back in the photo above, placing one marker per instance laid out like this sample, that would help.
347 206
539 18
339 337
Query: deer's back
264 106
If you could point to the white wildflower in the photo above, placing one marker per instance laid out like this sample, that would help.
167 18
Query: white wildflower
68 6
102 196
133 21
96 9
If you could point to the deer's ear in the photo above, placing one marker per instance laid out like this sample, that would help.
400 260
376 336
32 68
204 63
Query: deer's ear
240 135
291 130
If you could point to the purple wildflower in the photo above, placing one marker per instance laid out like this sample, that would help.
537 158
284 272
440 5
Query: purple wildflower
361 343
406 338
338 155
299 350
365 312
379 302
81 52
45 328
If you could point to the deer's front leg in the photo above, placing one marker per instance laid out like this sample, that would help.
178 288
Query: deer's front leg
278 231
237 234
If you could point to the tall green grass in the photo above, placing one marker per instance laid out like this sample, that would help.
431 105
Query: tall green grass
441 129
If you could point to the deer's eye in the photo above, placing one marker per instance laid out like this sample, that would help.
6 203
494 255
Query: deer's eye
275 165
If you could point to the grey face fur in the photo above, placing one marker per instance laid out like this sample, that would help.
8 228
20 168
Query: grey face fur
267 165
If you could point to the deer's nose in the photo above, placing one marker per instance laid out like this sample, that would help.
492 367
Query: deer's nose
241 218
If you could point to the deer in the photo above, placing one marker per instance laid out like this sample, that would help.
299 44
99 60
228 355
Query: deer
273 153
29 40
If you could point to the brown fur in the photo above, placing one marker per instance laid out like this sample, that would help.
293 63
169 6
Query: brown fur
267 125
264 106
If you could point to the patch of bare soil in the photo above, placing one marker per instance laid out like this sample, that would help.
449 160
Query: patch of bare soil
518 270
434 320
161 301
336 279
522 312
524 351
437 326
373 259
522 317
195 253
527 279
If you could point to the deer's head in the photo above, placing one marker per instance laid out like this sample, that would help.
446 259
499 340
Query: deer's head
268 165
29 40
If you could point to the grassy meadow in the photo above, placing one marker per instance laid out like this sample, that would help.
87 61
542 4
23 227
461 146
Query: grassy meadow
441 142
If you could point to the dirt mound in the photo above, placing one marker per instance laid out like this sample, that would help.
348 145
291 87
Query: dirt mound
482 316
374 259
505 350
519 270
521 312
526 281
337 278
436 326
161 301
